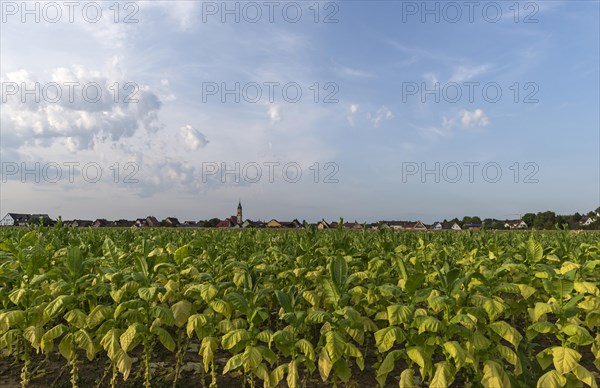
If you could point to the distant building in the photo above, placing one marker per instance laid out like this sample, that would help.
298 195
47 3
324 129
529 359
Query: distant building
14 219
239 218
518 224
19 219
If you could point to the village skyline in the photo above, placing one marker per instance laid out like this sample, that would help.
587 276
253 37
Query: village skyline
541 220
386 110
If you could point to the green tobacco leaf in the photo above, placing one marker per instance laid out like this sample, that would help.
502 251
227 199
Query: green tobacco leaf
535 252
551 379
284 301
233 363
164 337
577 334
480 341
429 323
129 338
338 270
456 352
85 342
98 315
251 358
586 287
443 376
234 337
66 348
335 345
493 308
292 377
277 374
325 365
494 375
306 348
540 328
507 332
386 337
585 375
407 379
181 312
398 314
387 366
565 359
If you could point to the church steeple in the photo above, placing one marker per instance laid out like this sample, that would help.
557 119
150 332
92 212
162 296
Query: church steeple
240 219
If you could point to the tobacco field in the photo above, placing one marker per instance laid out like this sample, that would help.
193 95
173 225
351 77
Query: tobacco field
302 308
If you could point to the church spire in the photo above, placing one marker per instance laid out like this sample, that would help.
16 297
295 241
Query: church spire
240 219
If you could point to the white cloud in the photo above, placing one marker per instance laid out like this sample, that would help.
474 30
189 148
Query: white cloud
465 73
383 113
274 113
474 119
353 73
192 138
352 112
77 106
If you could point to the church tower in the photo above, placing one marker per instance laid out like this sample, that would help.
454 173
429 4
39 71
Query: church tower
240 220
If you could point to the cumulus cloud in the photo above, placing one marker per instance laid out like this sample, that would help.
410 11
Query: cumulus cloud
192 138
76 106
351 113
274 113
474 119
382 113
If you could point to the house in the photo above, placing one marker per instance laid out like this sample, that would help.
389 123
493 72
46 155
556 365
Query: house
406 225
152 222
274 224
140 223
171 222
586 221
100 223
19 219
284 224
226 223
122 223
14 219
323 224
419 226
436 226
253 224
352 225
81 223
472 226
515 224
451 226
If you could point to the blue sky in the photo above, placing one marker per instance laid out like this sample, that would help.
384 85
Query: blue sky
370 142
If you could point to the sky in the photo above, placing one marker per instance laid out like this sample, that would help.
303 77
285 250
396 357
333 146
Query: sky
366 110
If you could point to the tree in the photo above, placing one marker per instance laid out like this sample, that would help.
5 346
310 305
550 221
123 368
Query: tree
211 223
529 219
545 220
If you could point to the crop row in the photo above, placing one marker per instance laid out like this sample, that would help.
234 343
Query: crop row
480 309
